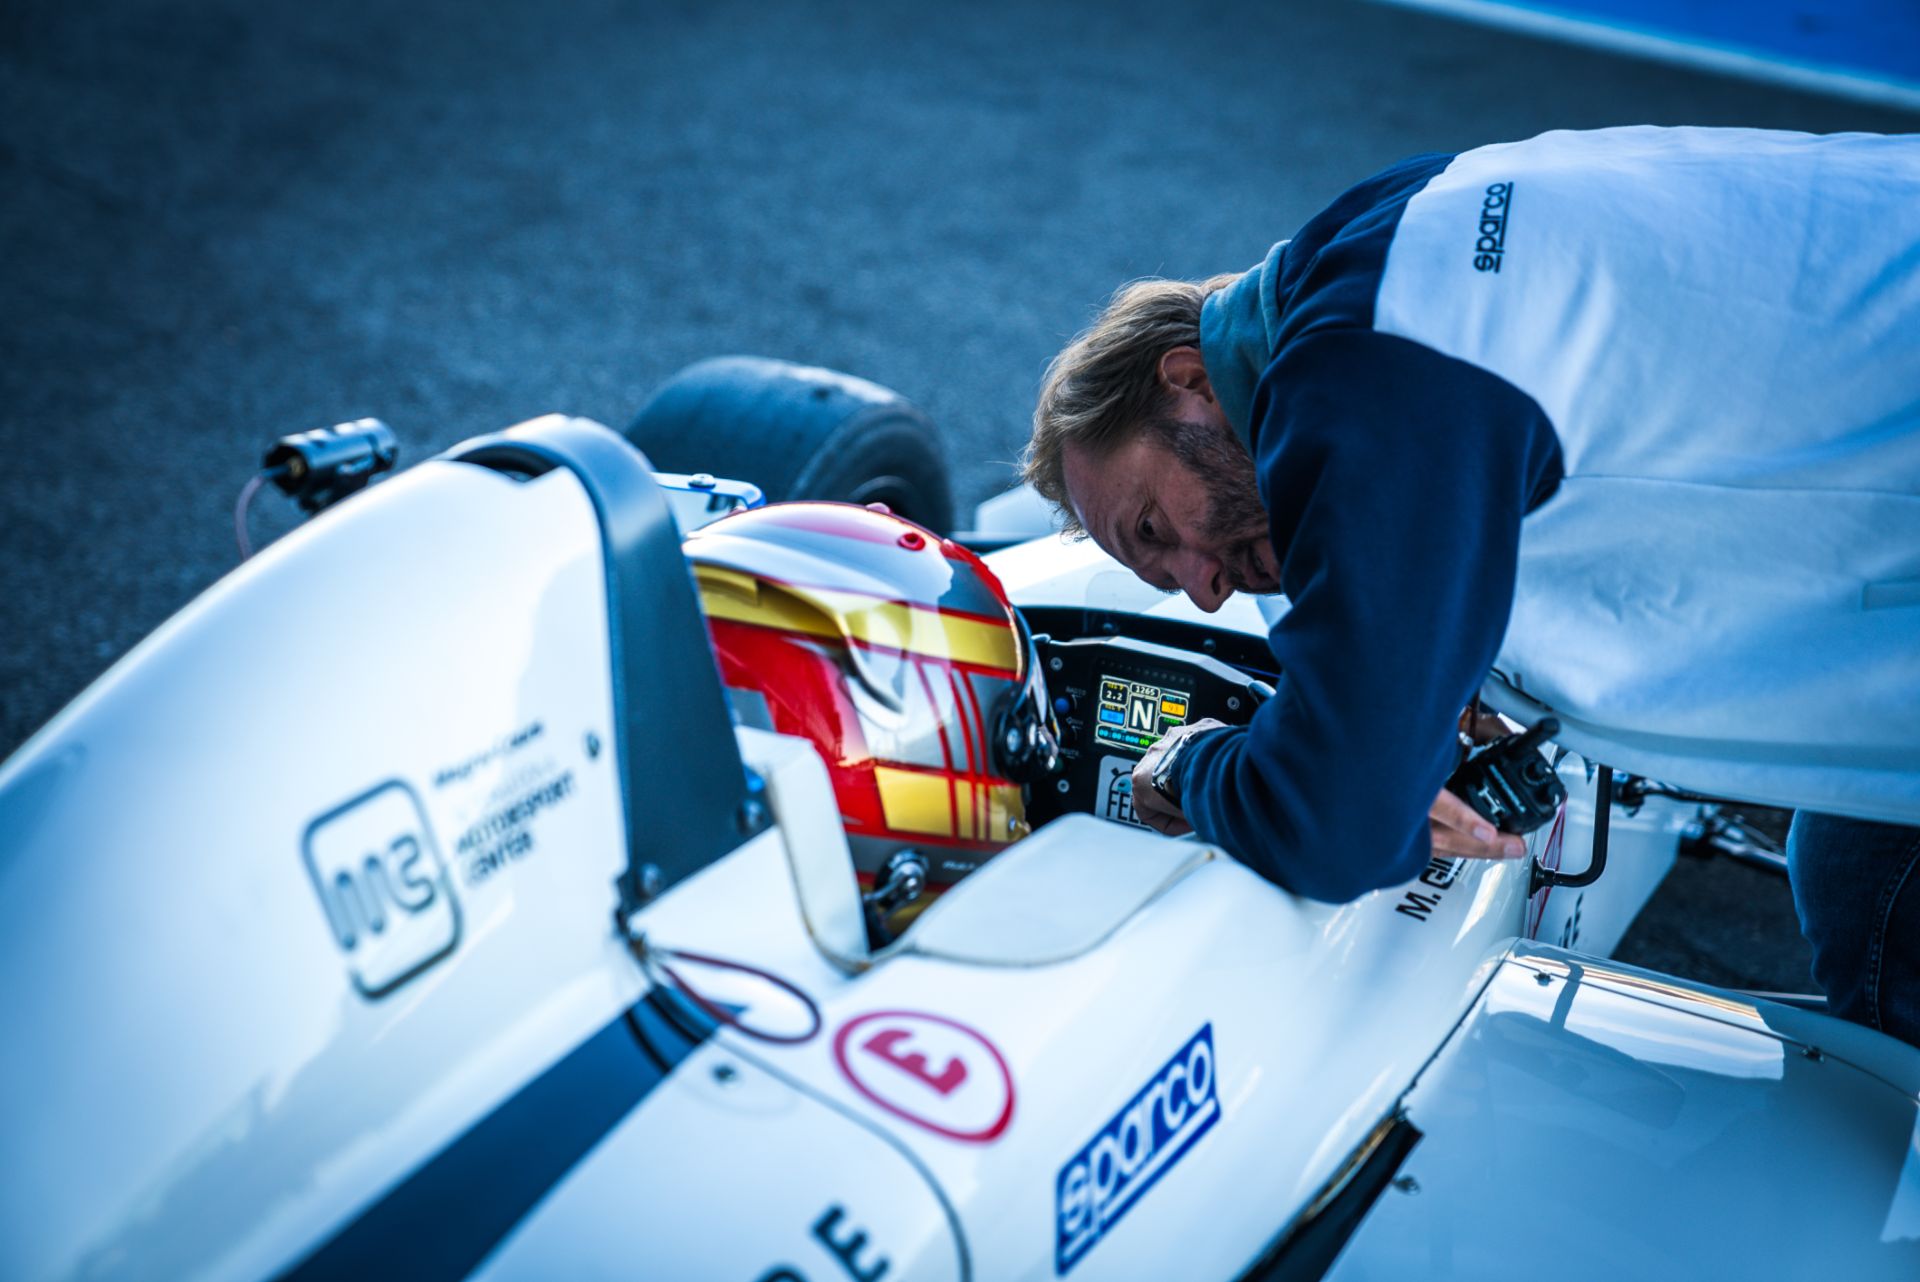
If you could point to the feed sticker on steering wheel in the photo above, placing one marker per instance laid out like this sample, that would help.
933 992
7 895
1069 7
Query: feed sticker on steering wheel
1116 791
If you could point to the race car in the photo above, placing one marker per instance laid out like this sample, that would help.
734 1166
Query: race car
447 893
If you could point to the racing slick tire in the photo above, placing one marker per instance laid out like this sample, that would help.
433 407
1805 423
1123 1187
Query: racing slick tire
798 432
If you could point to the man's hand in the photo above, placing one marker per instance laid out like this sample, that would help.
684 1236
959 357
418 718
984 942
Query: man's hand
1457 829
1155 809
1454 827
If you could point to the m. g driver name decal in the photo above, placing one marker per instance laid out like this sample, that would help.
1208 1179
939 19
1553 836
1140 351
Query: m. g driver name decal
1138 1145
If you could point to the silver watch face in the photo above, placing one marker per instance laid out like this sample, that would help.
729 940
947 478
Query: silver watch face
1163 770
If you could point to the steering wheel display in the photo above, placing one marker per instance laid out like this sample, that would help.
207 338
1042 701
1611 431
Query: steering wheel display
1134 715
1115 698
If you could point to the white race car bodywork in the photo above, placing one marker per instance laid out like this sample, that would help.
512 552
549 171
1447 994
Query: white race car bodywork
1106 1055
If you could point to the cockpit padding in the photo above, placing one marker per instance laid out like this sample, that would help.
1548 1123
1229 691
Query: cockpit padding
1053 896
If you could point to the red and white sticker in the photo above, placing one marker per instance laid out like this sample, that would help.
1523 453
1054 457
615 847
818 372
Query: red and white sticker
929 1070
1550 856
752 1001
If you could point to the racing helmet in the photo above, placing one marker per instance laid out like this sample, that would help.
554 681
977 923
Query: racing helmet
897 653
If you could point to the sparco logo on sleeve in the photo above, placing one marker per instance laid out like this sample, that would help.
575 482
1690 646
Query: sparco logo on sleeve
1492 245
1134 1149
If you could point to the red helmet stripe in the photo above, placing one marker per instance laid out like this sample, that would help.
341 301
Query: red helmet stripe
985 753
933 839
915 768
974 764
958 665
973 760
946 747
986 750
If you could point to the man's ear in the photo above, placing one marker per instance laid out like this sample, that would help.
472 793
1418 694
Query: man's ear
1183 370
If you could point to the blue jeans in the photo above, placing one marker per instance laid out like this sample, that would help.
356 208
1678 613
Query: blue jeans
1856 886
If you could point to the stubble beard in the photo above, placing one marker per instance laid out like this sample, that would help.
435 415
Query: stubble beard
1235 519
1238 520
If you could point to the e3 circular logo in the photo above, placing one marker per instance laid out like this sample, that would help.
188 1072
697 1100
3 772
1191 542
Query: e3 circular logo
927 1069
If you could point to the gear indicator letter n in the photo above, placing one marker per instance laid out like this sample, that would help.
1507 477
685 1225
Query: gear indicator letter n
383 887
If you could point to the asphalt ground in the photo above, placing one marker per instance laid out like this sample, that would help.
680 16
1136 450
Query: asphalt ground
226 220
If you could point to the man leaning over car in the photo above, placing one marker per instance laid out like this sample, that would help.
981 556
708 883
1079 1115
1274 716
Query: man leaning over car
1630 418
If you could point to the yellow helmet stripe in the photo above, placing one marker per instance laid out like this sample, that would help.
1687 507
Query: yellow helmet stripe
913 801
870 620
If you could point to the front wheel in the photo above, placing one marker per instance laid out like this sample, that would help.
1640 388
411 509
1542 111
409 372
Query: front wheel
798 432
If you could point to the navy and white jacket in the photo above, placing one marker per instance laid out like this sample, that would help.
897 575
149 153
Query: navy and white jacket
1629 419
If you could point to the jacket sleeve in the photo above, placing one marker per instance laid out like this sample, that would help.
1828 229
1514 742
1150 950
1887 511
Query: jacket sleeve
1395 479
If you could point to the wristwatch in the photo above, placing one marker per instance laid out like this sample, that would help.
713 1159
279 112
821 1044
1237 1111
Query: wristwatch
1164 780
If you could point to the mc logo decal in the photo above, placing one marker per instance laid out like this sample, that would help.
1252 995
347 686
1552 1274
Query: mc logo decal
383 887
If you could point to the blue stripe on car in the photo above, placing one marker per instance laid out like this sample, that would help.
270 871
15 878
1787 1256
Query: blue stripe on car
441 1221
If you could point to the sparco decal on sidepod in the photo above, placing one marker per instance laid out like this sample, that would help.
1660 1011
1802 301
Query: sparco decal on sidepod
1138 1145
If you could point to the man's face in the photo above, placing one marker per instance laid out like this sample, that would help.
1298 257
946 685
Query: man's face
1201 530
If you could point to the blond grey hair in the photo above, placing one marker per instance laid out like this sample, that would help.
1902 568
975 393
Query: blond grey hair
1105 386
